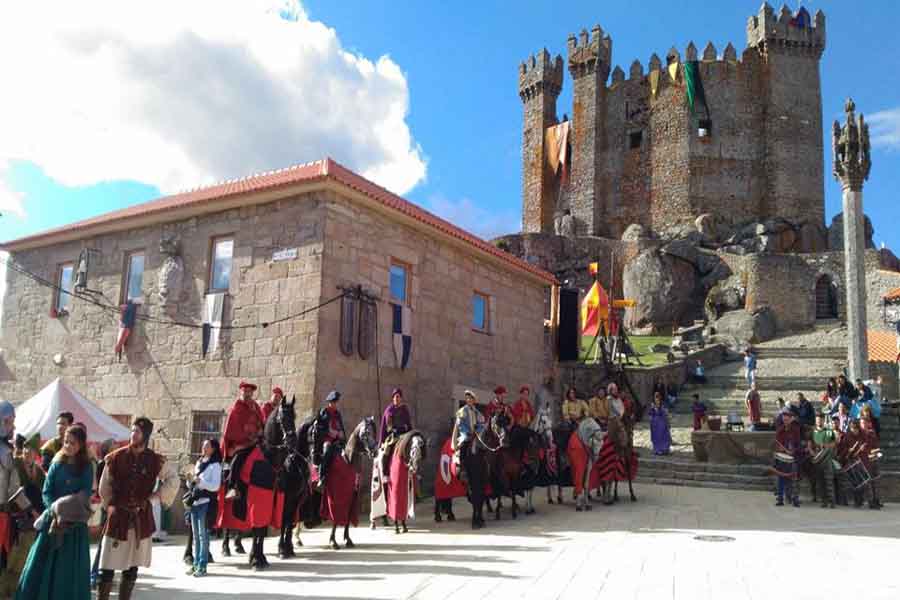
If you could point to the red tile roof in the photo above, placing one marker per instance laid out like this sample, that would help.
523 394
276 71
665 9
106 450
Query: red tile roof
882 346
894 294
322 170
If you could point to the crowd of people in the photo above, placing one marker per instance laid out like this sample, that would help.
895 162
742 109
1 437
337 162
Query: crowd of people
47 494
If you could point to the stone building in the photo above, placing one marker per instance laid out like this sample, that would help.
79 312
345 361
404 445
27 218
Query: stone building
273 245
703 133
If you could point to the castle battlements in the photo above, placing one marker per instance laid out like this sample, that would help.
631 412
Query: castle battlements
693 133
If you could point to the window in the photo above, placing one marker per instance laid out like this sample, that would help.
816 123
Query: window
134 278
64 282
124 420
480 312
399 281
220 264
634 139
204 425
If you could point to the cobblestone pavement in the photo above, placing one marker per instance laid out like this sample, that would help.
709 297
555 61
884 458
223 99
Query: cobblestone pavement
649 549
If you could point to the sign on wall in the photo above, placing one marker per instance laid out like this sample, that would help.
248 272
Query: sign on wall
286 254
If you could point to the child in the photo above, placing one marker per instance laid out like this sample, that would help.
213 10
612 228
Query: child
659 427
699 410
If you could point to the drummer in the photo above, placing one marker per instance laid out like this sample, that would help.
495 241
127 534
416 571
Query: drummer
788 441
869 455
821 448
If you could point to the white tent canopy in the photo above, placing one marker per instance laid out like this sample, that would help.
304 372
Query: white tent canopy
38 415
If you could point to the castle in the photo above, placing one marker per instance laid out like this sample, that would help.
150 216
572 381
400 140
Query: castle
747 143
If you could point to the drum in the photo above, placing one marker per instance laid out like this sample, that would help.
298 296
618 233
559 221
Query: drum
820 455
783 464
835 465
858 475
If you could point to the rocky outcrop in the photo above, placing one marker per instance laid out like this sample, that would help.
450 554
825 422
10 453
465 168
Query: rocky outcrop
745 327
664 287
725 296
635 232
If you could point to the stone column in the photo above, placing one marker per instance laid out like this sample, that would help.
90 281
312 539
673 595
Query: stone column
852 163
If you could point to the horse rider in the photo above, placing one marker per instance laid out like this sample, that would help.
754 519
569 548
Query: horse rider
497 405
469 423
395 421
243 427
274 402
330 435
522 411
600 408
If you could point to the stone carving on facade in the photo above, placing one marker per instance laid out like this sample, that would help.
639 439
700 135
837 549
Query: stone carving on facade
171 273
850 146
565 224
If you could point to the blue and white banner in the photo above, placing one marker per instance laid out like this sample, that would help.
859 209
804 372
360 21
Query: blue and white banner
402 329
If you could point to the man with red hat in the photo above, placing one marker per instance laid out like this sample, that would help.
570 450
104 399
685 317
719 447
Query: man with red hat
269 407
497 405
522 411
242 429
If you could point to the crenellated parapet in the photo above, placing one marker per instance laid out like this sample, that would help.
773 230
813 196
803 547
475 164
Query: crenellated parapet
589 54
787 32
540 73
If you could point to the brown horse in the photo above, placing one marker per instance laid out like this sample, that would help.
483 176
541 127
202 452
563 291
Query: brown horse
619 439
514 463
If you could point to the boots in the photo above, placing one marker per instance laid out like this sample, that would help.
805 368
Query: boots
104 588
126 587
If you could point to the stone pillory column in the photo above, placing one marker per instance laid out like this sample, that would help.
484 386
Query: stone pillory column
540 81
852 162
589 61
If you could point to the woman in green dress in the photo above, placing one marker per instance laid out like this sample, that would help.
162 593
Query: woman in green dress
59 564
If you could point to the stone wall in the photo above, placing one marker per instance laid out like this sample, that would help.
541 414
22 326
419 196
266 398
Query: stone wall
162 374
446 350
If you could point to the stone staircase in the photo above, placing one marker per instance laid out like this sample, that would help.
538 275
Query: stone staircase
782 372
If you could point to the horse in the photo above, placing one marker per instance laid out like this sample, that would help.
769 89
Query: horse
343 481
407 458
584 451
281 447
548 473
259 483
618 461
309 508
473 456
513 461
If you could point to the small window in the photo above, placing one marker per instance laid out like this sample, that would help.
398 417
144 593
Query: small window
480 311
204 425
64 282
634 139
704 128
399 281
220 264
134 278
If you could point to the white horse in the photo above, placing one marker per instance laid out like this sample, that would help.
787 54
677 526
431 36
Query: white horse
543 426
591 435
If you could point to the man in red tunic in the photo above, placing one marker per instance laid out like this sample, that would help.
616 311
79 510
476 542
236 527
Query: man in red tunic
522 411
269 407
497 405
242 429
788 440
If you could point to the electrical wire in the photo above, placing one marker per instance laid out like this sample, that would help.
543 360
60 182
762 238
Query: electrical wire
147 318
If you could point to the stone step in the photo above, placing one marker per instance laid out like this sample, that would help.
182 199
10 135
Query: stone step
771 352
768 382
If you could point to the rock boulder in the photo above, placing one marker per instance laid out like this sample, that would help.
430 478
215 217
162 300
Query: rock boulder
635 232
664 288
745 327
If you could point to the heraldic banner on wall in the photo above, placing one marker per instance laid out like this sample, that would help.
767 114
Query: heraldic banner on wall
402 330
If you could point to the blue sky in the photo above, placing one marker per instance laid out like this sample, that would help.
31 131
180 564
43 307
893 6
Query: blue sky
445 73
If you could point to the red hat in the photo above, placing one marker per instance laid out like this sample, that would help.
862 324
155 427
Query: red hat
524 388
277 390
499 390
246 385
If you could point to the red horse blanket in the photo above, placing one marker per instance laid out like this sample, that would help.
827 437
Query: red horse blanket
340 500
259 476
446 482
611 467
400 491
578 458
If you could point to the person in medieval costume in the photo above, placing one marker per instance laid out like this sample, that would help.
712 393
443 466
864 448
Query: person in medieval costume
126 490
274 402
31 477
522 410
9 479
243 427
497 405
395 421
660 435
789 439
469 423
822 446
49 450
330 435
59 562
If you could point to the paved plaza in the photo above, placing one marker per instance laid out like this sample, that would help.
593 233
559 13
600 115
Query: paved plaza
645 550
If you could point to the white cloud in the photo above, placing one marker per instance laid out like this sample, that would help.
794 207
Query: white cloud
484 223
179 94
884 128
10 200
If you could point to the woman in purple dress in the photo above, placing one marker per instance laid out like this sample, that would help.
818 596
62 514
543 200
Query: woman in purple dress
659 426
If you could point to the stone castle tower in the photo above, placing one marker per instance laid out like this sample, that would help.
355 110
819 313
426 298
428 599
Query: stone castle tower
749 146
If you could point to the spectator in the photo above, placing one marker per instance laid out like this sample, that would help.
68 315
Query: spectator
779 419
846 390
750 366
699 375
207 479
842 418
829 397
806 414
671 395
64 420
